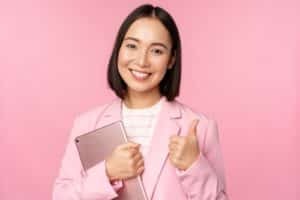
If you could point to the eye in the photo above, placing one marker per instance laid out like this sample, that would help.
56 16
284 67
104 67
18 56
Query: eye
131 46
157 51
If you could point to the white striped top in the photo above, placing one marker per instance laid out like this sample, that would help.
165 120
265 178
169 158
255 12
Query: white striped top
139 124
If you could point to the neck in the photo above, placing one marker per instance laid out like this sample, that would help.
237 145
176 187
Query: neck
141 100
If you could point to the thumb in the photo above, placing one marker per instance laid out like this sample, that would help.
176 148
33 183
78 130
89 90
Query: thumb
134 145
193 128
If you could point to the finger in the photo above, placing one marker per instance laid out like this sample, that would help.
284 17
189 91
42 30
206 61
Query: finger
172 138
133 145
140 170
173 160
172 146
173 152
129 145
193 127
129 153
180 142
140 163
176 139
138 156
133 152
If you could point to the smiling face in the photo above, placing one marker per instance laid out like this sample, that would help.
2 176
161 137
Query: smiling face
145 55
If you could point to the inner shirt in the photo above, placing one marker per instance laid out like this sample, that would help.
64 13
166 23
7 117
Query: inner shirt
139 124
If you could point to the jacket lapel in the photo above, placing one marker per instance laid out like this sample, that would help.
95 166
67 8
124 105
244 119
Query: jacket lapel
158 153
110 114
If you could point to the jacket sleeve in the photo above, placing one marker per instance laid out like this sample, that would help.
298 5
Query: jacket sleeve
205 179
73 183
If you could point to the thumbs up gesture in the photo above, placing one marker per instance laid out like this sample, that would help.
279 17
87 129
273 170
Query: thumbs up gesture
184 150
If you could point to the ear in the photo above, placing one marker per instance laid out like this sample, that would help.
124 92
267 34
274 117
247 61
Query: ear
172 61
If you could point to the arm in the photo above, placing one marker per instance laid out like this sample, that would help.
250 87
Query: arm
73 183
205 179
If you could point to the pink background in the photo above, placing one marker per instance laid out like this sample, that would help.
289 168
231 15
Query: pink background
240 66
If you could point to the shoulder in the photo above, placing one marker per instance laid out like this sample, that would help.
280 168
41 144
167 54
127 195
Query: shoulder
189 112
91 114
93 111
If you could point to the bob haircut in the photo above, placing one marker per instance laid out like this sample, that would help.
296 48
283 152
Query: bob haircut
170 84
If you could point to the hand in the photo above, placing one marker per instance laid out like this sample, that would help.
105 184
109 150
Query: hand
184 150
125 162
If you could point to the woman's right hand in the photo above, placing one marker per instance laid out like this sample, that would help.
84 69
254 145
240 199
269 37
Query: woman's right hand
125 162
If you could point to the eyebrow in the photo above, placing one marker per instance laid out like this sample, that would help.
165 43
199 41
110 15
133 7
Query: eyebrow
154 43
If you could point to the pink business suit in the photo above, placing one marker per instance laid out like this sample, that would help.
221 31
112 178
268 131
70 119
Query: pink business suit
204 180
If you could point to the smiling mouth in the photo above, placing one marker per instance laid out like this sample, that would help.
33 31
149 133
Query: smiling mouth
139 75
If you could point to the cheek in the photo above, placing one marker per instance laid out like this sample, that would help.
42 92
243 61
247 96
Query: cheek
122 63
161 61
161 64
124 58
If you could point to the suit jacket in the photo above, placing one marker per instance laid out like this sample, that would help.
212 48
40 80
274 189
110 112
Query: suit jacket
203 180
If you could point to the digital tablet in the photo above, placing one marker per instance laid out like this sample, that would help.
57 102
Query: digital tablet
93 147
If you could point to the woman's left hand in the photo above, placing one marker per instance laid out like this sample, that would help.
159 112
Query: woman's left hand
184 150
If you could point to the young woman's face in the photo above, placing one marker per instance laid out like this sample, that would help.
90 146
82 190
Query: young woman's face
145 55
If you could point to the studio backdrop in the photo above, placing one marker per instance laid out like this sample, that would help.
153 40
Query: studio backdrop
241 63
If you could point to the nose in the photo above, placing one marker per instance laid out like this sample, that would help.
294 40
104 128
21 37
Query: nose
142 59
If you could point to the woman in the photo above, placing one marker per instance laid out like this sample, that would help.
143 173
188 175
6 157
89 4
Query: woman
175 150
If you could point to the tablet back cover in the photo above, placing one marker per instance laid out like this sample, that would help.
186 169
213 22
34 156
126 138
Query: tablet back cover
93 147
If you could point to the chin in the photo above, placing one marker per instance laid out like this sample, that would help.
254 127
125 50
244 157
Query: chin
140 88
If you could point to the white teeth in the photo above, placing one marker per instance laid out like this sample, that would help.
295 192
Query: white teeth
140 74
